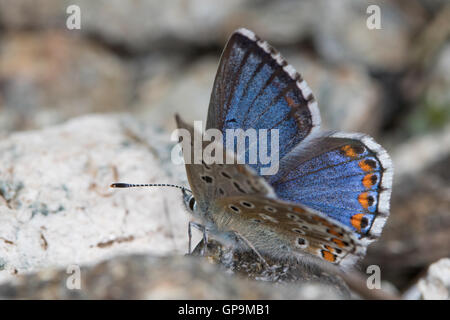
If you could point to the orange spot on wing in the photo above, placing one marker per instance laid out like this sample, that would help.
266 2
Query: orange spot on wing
298 210
339 242
363 200
368 181
349 151
318 219
322 221
327 255
334 232
363 164
331 249
356 220
291 103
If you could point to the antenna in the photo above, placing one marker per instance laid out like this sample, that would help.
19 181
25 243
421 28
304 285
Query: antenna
130 185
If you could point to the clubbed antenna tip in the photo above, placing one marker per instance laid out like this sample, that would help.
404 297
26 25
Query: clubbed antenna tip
121 185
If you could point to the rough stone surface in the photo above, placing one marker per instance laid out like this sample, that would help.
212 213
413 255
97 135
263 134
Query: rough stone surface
51 76
150 277
200 21
165 94
354 41
431 111
435 285
56 205
154 23
417 231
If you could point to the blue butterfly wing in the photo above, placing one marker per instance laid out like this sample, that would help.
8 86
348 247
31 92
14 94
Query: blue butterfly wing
346 176
256 88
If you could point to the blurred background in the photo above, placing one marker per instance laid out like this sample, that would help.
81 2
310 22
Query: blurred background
154 58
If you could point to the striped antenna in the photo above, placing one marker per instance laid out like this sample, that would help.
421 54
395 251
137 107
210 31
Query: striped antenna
130 185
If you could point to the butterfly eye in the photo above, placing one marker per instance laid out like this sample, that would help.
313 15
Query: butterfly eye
192 204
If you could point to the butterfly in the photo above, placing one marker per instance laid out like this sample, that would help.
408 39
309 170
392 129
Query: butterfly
330 197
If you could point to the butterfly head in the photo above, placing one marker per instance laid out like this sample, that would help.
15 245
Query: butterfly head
189 201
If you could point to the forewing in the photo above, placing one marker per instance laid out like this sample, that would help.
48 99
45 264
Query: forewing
256 88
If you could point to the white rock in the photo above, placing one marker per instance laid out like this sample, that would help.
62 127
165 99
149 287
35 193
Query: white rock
420 152
435 285
56 206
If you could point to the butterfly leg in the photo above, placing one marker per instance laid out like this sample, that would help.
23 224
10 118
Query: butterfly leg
190 237
251 246
205 241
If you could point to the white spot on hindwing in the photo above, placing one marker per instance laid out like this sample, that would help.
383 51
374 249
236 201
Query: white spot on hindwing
268 218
